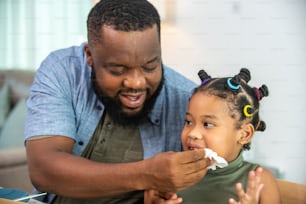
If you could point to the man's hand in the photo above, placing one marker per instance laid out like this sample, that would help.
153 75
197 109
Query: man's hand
175 171
252 196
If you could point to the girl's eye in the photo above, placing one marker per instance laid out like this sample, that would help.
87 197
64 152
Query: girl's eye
188 122
207 124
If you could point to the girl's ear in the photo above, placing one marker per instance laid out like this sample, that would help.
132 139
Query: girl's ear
246 133
88 55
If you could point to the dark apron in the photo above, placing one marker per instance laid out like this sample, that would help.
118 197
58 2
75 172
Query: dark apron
112 143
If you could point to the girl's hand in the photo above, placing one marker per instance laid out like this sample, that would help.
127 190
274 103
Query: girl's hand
155 197
252 196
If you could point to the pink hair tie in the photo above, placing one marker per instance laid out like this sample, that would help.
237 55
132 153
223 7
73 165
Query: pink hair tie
257 93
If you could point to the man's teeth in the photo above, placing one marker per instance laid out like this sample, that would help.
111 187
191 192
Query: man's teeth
133 98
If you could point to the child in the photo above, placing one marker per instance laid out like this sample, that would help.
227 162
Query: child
223 115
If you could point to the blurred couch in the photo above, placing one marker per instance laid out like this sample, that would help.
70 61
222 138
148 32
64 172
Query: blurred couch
14 90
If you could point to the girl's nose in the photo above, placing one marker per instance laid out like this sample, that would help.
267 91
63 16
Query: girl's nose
195 135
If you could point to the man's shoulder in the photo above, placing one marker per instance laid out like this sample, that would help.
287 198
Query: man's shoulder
68 52
67 67
67 60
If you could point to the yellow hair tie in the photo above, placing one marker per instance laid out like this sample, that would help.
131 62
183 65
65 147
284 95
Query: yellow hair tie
245 111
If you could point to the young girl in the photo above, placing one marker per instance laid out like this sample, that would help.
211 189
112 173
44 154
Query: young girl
223 115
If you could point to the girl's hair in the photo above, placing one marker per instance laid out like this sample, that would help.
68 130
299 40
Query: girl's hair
123 15
242 99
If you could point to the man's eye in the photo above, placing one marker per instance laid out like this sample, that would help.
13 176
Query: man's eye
117 70
152 65
149 68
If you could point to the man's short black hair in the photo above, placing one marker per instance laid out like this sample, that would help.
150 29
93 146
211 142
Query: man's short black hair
123 15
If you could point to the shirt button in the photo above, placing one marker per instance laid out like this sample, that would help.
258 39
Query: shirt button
80 143
109 125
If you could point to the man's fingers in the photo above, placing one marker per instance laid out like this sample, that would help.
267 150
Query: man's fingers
194 162
192 156
175 171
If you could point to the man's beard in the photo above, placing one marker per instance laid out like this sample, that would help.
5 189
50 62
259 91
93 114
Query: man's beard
113 106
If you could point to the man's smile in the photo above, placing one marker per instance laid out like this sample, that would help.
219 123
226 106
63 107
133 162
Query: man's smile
132 100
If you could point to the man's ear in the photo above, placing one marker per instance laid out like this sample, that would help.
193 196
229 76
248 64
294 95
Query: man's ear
88 55
246 133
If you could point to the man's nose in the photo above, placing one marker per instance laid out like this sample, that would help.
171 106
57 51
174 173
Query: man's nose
135 79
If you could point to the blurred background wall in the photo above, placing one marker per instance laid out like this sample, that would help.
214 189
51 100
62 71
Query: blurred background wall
269 38
30 29
220 36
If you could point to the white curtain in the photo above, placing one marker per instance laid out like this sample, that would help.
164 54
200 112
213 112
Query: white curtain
30 29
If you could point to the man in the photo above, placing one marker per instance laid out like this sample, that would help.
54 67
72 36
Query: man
101 114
